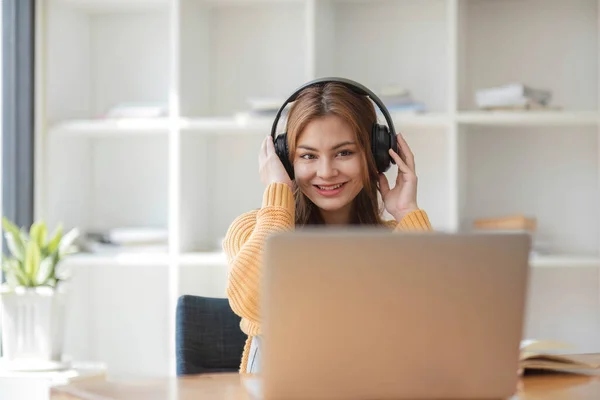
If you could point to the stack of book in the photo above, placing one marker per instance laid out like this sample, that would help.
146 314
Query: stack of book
517 222
127 240
514 96
398 99
261 108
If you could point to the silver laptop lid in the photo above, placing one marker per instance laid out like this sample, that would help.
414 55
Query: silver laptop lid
365 313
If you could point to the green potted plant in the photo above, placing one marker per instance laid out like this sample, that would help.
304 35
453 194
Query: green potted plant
33 296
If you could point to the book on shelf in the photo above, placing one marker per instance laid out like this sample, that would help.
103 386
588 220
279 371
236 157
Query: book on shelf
127 240
398 99
261 110
516 222
547 355
514 97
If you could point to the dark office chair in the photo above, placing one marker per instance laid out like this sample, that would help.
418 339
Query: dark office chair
208 336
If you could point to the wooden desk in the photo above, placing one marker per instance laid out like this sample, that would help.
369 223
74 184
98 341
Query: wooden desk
228 387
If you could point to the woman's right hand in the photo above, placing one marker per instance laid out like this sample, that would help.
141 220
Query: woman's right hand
270 166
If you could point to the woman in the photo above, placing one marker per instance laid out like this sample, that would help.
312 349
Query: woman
336 181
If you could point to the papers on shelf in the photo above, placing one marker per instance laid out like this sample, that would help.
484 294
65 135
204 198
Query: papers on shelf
399 99
514 96
127 239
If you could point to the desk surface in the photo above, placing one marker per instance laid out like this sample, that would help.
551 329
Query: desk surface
229 387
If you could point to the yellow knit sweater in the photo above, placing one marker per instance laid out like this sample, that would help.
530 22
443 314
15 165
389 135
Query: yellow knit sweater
243 246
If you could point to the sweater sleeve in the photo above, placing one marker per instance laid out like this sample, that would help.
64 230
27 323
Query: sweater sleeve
414 221
243 245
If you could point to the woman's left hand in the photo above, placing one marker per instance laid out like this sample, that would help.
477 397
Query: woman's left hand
402 199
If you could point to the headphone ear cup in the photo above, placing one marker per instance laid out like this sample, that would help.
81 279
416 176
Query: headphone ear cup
281 149
381 142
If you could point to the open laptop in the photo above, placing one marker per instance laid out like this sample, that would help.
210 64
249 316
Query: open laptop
363 313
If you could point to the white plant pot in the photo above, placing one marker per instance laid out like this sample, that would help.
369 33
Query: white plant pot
32 328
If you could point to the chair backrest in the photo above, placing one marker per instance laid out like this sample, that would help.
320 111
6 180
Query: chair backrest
208 336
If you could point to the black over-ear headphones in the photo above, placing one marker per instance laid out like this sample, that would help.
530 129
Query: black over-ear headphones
383 137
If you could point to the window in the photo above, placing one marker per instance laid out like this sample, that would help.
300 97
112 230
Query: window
17 117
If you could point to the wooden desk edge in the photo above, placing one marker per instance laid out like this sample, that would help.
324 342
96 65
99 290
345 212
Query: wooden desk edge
95 389
229 386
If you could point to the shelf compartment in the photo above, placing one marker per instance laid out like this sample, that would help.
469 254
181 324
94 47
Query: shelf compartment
110 183
229 54
379 43
97 59
532 51
220 181
547 173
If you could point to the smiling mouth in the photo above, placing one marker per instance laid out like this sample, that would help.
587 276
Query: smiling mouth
329 187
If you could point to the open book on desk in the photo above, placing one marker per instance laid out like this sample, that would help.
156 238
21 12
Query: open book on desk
555 356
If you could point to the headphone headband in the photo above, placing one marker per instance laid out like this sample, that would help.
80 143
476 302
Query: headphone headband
355 86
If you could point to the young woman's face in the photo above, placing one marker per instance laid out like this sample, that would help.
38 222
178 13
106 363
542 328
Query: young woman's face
327 166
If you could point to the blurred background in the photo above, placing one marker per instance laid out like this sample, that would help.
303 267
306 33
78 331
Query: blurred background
138 122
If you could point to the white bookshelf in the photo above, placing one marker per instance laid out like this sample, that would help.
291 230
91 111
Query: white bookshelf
195 169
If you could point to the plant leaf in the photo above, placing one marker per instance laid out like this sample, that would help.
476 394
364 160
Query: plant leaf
22 277
9 226
66 241
55 240
38 233
7 263
15 245
14 273
32 260
8 266
45 271
24 237
13 238
18 239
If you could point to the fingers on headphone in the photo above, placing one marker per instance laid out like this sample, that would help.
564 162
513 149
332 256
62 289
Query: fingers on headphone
271 147
405 150
268 146
400 162
263 147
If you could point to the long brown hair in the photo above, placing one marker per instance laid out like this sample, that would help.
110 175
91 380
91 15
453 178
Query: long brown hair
336 99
